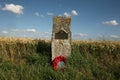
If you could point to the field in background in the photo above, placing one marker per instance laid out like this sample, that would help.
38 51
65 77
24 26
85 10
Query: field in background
30 59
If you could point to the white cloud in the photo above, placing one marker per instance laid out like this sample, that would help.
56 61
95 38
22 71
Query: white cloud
4 32
16 9
74 12
80 34
23 30
67 14
112 23
114 36
30 30
50 14
37 14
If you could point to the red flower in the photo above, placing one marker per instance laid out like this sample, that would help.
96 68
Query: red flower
58 62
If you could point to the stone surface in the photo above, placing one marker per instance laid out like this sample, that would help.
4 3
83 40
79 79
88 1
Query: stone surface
61 37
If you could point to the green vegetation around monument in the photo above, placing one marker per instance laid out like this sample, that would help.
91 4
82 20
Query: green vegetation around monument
30 59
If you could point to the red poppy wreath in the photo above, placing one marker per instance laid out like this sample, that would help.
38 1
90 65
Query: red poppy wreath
59 63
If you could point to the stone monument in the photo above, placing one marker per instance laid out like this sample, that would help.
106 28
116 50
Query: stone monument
61 37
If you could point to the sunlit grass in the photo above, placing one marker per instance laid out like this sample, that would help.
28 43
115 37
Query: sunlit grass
30 59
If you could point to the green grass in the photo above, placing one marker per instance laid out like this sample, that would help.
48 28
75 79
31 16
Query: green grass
90 60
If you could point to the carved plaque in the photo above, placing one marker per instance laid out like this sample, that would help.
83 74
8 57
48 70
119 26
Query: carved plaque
61 35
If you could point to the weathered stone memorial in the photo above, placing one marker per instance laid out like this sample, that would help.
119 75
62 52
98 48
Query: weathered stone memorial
61 37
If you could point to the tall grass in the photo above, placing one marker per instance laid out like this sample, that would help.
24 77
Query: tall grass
30 59
16 49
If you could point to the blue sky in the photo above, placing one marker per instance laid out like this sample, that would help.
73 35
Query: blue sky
91 19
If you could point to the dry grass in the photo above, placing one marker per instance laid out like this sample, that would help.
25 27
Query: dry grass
90 60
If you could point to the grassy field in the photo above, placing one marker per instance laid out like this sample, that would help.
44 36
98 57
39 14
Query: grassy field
30 59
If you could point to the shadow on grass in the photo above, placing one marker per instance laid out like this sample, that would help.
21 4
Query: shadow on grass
42 55
44 48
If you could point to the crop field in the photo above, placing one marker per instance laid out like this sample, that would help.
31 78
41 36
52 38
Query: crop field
30 59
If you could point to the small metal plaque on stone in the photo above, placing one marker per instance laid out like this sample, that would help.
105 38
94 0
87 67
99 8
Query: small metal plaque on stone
61 35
